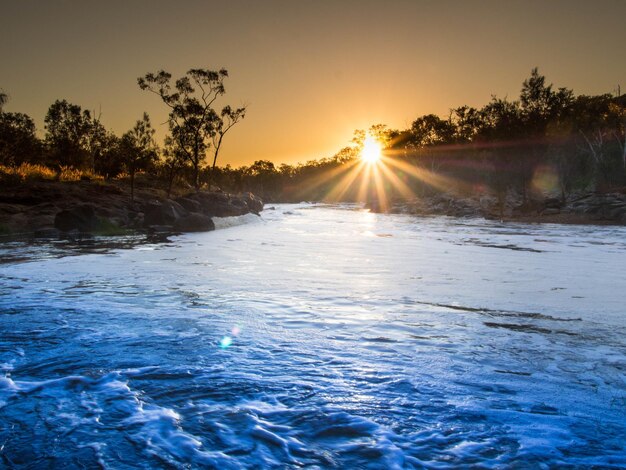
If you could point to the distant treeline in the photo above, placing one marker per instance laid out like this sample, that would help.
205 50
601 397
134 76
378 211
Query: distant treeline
548 139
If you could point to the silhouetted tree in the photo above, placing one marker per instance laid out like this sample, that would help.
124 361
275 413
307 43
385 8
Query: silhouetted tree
3 99
466 122
194 124
173 161
431 130
18 142
139 149
67 133
227 119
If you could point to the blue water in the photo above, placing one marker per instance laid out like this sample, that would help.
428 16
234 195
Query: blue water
319 336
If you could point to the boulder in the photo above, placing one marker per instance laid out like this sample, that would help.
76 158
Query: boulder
41 221
552 203
165 213
161 229
52 233
551 211
194 222
82 218
190 204
220 204
254 203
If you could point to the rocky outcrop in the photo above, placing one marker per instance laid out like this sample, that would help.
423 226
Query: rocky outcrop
82 218
193 212
601 206
194 222
254 203
52 209
218 204
441 204
165 212
588 207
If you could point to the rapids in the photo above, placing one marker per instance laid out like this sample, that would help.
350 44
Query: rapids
320 336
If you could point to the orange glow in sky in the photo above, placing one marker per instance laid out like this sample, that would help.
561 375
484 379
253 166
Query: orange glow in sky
310 72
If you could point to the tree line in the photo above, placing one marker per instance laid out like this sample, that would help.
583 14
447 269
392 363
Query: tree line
549 139
76 138
546 134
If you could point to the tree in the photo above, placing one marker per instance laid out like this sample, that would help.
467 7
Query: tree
18 142
109 160
600 122
262 175
174 159
431 130
139 149
3 99
194 123
228 118
67 132
466 121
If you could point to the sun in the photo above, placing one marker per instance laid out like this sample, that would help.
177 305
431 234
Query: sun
371 151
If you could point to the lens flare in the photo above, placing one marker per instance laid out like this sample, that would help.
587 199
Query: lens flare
225 342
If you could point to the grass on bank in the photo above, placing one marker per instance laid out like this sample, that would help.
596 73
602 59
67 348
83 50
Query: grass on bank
28 172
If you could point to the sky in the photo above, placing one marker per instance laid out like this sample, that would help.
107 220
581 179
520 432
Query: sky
309 72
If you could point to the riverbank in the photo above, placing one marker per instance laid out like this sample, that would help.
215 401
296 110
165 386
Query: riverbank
582 208
85 208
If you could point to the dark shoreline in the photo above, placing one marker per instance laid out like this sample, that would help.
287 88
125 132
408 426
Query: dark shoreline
85 215
82 210
584 208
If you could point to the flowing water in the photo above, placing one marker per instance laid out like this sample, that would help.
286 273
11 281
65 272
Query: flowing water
319 336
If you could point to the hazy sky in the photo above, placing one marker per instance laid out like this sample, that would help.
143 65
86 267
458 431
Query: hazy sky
311 72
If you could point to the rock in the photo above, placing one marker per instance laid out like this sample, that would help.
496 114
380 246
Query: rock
194 222
76 235
552 203
10 209
47 233
617 212
226 209
166 213
551 211
158 237
254 203
40 222
219 204
82 218
207 199
106 209
190 204
136 219
152 229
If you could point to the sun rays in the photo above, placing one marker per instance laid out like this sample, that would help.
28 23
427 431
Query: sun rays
378 176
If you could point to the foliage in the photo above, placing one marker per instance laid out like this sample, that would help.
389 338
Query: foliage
194 124
35 172
139 149
504 146
18 141
3 99
72 135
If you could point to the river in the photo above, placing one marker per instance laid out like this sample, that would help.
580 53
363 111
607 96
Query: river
320 336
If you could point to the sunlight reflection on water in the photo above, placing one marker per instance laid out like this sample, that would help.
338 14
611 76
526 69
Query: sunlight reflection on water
380 342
